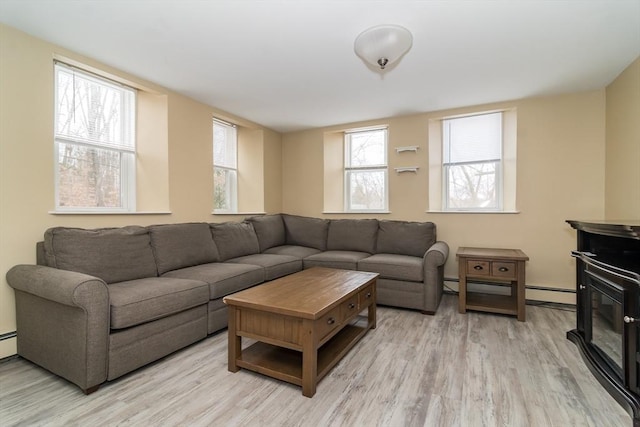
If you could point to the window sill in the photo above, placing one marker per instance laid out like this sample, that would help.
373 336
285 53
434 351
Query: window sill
109 213
355 212
238 213
473 212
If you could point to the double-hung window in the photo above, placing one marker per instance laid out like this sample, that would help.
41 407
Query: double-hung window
366 170
95 149
225 167
472 162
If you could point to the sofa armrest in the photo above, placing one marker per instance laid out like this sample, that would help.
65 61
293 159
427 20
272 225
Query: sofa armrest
434 260
436 255
63 322
62 286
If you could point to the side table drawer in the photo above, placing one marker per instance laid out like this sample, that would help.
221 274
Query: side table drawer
503 269
478 268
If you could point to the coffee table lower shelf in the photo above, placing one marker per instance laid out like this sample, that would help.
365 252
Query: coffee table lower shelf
286 364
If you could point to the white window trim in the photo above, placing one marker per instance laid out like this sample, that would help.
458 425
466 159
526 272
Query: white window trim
128 165
436 202
348 169
232 187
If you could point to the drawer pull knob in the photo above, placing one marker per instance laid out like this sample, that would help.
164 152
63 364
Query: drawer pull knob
477 267
503 269
352 306
368 294
331 321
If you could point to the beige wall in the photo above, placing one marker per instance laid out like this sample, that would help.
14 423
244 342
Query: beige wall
174 169
623 145
560 169
560 176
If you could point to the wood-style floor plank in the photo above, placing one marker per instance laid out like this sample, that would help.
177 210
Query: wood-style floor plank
451 369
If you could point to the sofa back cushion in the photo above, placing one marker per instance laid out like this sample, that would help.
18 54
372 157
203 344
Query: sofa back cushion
182 245
269 229
306 231
352 235
112 254
235 239
405 237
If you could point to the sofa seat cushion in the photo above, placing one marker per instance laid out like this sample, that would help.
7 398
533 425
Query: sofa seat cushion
347 260
182 245
293 250
224 278
392 266
139 301
274 265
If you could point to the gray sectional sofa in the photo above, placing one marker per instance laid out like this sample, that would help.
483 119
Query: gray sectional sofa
101 303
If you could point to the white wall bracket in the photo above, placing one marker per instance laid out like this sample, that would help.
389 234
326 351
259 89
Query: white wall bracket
413 169
413 148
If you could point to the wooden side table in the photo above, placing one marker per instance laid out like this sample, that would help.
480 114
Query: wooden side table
492 265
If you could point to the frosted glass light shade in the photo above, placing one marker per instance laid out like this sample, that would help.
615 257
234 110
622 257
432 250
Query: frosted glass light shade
383 45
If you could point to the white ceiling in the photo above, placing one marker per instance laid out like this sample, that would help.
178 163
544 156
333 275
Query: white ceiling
290 65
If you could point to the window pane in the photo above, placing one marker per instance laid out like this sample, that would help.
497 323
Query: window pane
90 110
366 189
366 148
474 138
224 193
472 186
89 177
224 145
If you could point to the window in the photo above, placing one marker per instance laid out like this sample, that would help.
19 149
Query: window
225 167
366 170
94 142
472 162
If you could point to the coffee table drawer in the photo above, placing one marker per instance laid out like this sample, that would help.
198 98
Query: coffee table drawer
329 322
366 297
349 308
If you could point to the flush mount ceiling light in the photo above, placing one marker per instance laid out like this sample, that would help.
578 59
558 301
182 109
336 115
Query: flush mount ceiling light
383 45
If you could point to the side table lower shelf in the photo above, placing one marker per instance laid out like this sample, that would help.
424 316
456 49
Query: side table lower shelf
501 304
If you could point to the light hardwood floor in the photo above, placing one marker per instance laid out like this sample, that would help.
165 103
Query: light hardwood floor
413 370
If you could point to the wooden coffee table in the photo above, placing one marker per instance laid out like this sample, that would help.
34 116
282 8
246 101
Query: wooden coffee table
303 323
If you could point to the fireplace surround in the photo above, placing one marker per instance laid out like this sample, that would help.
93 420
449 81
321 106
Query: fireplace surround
608 306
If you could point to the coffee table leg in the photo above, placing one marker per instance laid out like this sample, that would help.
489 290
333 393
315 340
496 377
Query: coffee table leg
372 316
309 359
235 342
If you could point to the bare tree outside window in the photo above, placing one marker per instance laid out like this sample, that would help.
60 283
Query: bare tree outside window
94 138
366 170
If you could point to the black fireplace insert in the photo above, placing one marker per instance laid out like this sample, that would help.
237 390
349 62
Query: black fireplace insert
608 307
